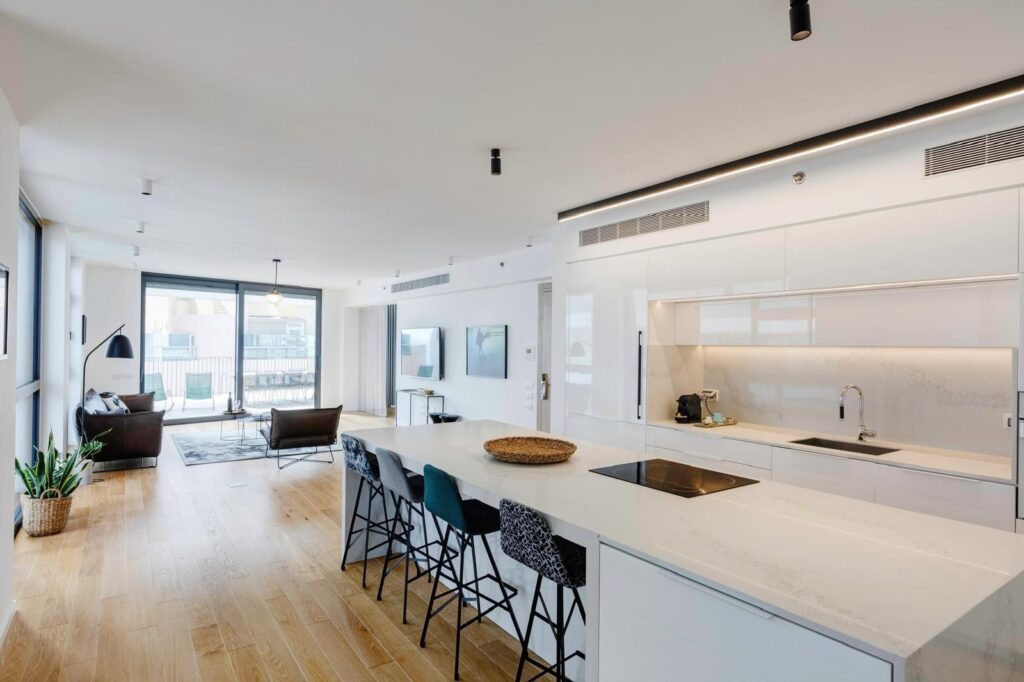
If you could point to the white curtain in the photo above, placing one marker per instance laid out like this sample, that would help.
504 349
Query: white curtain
373 358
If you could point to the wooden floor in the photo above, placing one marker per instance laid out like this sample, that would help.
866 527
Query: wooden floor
221 572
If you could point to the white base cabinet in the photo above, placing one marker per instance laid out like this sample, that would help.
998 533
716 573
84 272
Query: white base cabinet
836 475
658 625
965 499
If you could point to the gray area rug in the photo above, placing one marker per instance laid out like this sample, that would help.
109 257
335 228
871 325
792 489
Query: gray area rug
206 447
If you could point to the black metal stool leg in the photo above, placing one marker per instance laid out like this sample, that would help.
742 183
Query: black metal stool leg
529 629
560 634
366 535
462 602
392 534
433 590
352 525
505 596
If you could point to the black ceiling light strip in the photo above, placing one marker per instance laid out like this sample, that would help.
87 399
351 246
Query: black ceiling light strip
947 106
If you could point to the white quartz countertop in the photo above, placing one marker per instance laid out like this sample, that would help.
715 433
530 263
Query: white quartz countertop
881 579
968 464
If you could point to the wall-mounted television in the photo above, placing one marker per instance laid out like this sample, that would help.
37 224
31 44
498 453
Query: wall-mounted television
422 353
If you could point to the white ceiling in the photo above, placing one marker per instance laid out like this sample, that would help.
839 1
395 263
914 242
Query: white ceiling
351 138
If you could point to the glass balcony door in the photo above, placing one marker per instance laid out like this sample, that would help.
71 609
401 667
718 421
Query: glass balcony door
190 346
280 349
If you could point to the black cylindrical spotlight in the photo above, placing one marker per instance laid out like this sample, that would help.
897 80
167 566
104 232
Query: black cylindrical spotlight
799 20
495 162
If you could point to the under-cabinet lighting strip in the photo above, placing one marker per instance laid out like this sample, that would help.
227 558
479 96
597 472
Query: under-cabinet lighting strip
839 290
919 115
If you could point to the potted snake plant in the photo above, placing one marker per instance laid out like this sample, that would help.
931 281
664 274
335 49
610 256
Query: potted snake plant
49 483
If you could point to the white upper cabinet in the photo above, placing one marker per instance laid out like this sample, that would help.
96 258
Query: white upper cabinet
963 237
743 264
606 323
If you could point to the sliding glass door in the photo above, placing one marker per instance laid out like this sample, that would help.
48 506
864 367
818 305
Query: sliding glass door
26 311
279 350
189 346
206 342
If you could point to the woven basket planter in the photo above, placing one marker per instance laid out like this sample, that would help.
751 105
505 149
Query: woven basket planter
45 515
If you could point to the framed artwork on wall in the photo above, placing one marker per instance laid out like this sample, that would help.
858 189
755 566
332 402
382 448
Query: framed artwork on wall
5 294
487 351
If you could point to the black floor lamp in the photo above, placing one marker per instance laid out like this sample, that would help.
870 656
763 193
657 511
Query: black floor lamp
120 347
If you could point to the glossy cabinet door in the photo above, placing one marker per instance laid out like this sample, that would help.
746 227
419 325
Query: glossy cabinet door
827 473
618 434
961 237
656 624
740 264
607 322
963 499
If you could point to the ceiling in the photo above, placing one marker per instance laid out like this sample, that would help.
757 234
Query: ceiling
352 138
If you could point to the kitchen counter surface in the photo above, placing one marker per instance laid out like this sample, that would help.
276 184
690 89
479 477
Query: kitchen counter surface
884 580
968 464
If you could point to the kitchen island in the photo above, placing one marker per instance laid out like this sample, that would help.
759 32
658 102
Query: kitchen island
763 582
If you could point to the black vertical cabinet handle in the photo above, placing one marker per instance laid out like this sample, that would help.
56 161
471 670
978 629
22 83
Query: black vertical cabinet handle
639 372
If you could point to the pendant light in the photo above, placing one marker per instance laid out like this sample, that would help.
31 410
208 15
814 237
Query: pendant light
274 296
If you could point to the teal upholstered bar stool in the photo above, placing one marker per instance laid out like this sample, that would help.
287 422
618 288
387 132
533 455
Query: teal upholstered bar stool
467 520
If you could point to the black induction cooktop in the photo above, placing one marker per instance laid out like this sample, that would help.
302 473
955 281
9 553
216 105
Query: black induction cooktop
675 478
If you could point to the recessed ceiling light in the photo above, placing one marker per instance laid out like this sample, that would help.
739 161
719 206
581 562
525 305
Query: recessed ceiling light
799 20
140 227
146 187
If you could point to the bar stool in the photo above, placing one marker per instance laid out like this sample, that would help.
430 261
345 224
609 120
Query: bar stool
527 538
358 460
467 520
406 491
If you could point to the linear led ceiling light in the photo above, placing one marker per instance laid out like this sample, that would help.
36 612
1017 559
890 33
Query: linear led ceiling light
915 116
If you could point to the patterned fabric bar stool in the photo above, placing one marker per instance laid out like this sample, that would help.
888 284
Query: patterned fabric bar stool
406 491
358 460
467 520
527 538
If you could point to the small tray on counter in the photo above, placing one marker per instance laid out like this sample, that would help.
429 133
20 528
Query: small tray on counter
729 421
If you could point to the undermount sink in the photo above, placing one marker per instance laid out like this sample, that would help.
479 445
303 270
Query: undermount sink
843 445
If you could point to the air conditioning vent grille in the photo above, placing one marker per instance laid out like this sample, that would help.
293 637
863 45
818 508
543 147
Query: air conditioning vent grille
421 283
975 151
652 222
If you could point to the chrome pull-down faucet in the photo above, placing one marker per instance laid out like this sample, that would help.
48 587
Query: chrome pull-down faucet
862 431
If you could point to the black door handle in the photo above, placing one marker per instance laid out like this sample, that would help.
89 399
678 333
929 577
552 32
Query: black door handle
639 373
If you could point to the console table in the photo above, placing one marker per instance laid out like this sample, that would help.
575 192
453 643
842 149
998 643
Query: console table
416 393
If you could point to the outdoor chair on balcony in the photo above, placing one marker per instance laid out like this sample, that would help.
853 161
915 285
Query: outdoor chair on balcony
198 386
154 383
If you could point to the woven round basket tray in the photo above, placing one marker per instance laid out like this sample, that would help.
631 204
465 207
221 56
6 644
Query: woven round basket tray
530 450
45 515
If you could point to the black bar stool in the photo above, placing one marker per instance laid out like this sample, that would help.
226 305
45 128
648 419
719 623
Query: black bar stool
406 491
358 460
467 520
527 538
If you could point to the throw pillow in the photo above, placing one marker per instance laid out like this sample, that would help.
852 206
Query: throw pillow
93 403
114 403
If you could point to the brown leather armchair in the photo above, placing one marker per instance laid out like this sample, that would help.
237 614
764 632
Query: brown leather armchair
134 435
313 428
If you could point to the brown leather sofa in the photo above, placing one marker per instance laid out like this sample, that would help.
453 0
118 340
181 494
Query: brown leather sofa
313 428
135 435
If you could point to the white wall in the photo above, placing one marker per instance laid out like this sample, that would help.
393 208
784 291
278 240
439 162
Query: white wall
9 165
477 397
111 297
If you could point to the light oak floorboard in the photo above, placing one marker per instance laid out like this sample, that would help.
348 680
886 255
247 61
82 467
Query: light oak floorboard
223 572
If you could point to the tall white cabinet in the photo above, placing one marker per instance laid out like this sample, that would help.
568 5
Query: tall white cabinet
605 350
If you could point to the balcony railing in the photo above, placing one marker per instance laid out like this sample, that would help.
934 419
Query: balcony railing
265 381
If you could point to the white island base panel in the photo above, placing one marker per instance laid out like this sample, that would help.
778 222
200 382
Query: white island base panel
930 598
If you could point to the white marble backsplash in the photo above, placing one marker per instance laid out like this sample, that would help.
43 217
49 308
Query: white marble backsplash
952 398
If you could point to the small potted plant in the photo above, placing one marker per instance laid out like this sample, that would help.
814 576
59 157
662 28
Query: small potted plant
49 483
